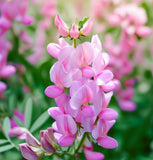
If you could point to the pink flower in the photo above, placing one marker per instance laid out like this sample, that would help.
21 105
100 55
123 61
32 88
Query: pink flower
64 130
15 130
31 150
48 142
89 153
3 87
87 27
74 33
61 26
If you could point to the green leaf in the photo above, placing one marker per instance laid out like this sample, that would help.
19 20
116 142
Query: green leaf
40 121
5 148
28 113
12 102
6 126
18 121
3 141
81 23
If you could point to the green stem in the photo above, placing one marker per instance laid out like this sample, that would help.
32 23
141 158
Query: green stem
80 144
8 138
74 41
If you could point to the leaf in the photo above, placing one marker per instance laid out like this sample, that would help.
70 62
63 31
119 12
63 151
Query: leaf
3 141
40 121
28 113
18 121
6 126
5 148
81 23
12 102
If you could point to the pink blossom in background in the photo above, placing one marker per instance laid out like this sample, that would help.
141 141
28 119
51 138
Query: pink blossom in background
15 129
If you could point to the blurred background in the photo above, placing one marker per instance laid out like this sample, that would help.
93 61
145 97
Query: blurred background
125 28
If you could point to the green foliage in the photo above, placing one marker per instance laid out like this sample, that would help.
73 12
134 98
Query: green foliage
28 113
5 148
81 23
40 121
6 125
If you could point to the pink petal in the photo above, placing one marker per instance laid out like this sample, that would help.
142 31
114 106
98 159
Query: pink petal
85 53
74 33
91 155
53 49
88 111
66 124
7 71
127 105
54 112
53 91
107 142
66 140
83 95
104 77
87 27
108 114
31 140
87 72
27 20
96 42
143 31
62 100
98 102
27 152
2 86
107 99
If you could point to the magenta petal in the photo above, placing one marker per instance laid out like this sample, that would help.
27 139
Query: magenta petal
2 86
90 155
66 140
107 142
54 112
27 20
53 91
107 99
88 111
7 71
27 152
108 114
127 105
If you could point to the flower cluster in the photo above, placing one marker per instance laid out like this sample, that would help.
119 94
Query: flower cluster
10 11
75 31
33 149
6 70
131 20
82 91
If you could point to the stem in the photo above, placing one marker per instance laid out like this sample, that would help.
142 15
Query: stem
74 41
8 138
80 144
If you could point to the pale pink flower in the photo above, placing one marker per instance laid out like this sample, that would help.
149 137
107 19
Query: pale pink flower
64 130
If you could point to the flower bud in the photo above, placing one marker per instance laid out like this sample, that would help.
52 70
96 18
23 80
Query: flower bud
30 153
61 26
87 27
48 142
74 33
